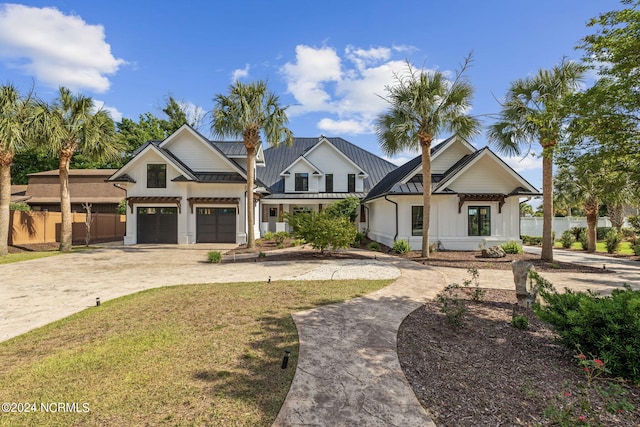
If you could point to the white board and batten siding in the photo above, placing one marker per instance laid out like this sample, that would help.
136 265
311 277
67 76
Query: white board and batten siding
484 177
199 157
449 157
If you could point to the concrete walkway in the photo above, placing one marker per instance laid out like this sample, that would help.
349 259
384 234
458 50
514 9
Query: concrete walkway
348 370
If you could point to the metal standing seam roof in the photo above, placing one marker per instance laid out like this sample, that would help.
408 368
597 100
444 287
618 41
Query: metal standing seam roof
280 157
392 182
315 196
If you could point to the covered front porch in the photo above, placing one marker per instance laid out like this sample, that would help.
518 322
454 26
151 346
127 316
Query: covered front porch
272 209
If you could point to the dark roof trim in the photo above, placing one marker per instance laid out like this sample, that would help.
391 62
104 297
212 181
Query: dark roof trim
122 178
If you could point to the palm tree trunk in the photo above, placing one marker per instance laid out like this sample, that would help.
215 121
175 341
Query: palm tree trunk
425 145
66 236
547 206
251 155
591 208
5 199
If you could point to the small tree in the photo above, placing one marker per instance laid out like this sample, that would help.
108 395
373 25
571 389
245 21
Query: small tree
88 219
345 208
322 230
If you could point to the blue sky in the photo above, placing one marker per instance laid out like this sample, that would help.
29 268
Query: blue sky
328 60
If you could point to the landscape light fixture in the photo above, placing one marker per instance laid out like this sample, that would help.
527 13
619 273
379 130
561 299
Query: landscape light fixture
98 302
285 359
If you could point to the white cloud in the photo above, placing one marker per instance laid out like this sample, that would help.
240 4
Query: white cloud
115 114
240 73
349 88
58 49
341 126
527 163
398 160
308 77
195 114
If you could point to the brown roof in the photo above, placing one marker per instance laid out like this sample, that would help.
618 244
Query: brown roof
77 172
85 185
18 193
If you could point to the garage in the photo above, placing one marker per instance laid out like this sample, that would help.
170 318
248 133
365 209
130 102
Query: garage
216 225
157 225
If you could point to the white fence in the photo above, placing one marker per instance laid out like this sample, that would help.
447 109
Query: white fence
532 226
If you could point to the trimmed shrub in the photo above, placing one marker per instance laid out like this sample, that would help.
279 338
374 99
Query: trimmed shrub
634 222
401 246
583 239
374 246
531 240
280 236
603 326
627 233
512 247
612 241
636 250
214 257
576 232
297 242
269 235
567 239
520 322
601 232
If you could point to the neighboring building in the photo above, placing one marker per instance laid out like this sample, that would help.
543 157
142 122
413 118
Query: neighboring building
474 203
85 186
188 189
18 193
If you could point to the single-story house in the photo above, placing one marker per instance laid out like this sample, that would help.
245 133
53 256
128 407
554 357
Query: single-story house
189 189
475 200
42 193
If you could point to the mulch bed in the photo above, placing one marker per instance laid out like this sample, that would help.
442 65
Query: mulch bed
455 259
490 373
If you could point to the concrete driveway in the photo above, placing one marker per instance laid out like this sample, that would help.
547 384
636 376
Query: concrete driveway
37 292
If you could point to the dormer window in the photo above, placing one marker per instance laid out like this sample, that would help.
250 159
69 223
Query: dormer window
302 182
328 183
156 176
351 183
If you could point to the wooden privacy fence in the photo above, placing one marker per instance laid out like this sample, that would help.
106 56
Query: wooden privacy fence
29 227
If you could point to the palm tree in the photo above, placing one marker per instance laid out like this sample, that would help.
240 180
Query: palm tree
15 113
534 109
71 125
424 105
249 110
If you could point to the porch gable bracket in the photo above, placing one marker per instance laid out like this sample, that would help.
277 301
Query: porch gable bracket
154 199
212 201
477 197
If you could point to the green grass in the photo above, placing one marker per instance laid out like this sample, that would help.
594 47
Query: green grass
28 255
182 355
625 247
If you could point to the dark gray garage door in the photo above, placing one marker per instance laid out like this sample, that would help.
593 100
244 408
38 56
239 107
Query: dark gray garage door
157 225
216 225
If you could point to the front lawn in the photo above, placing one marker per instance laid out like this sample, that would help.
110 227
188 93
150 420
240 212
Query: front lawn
182 355
625 247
